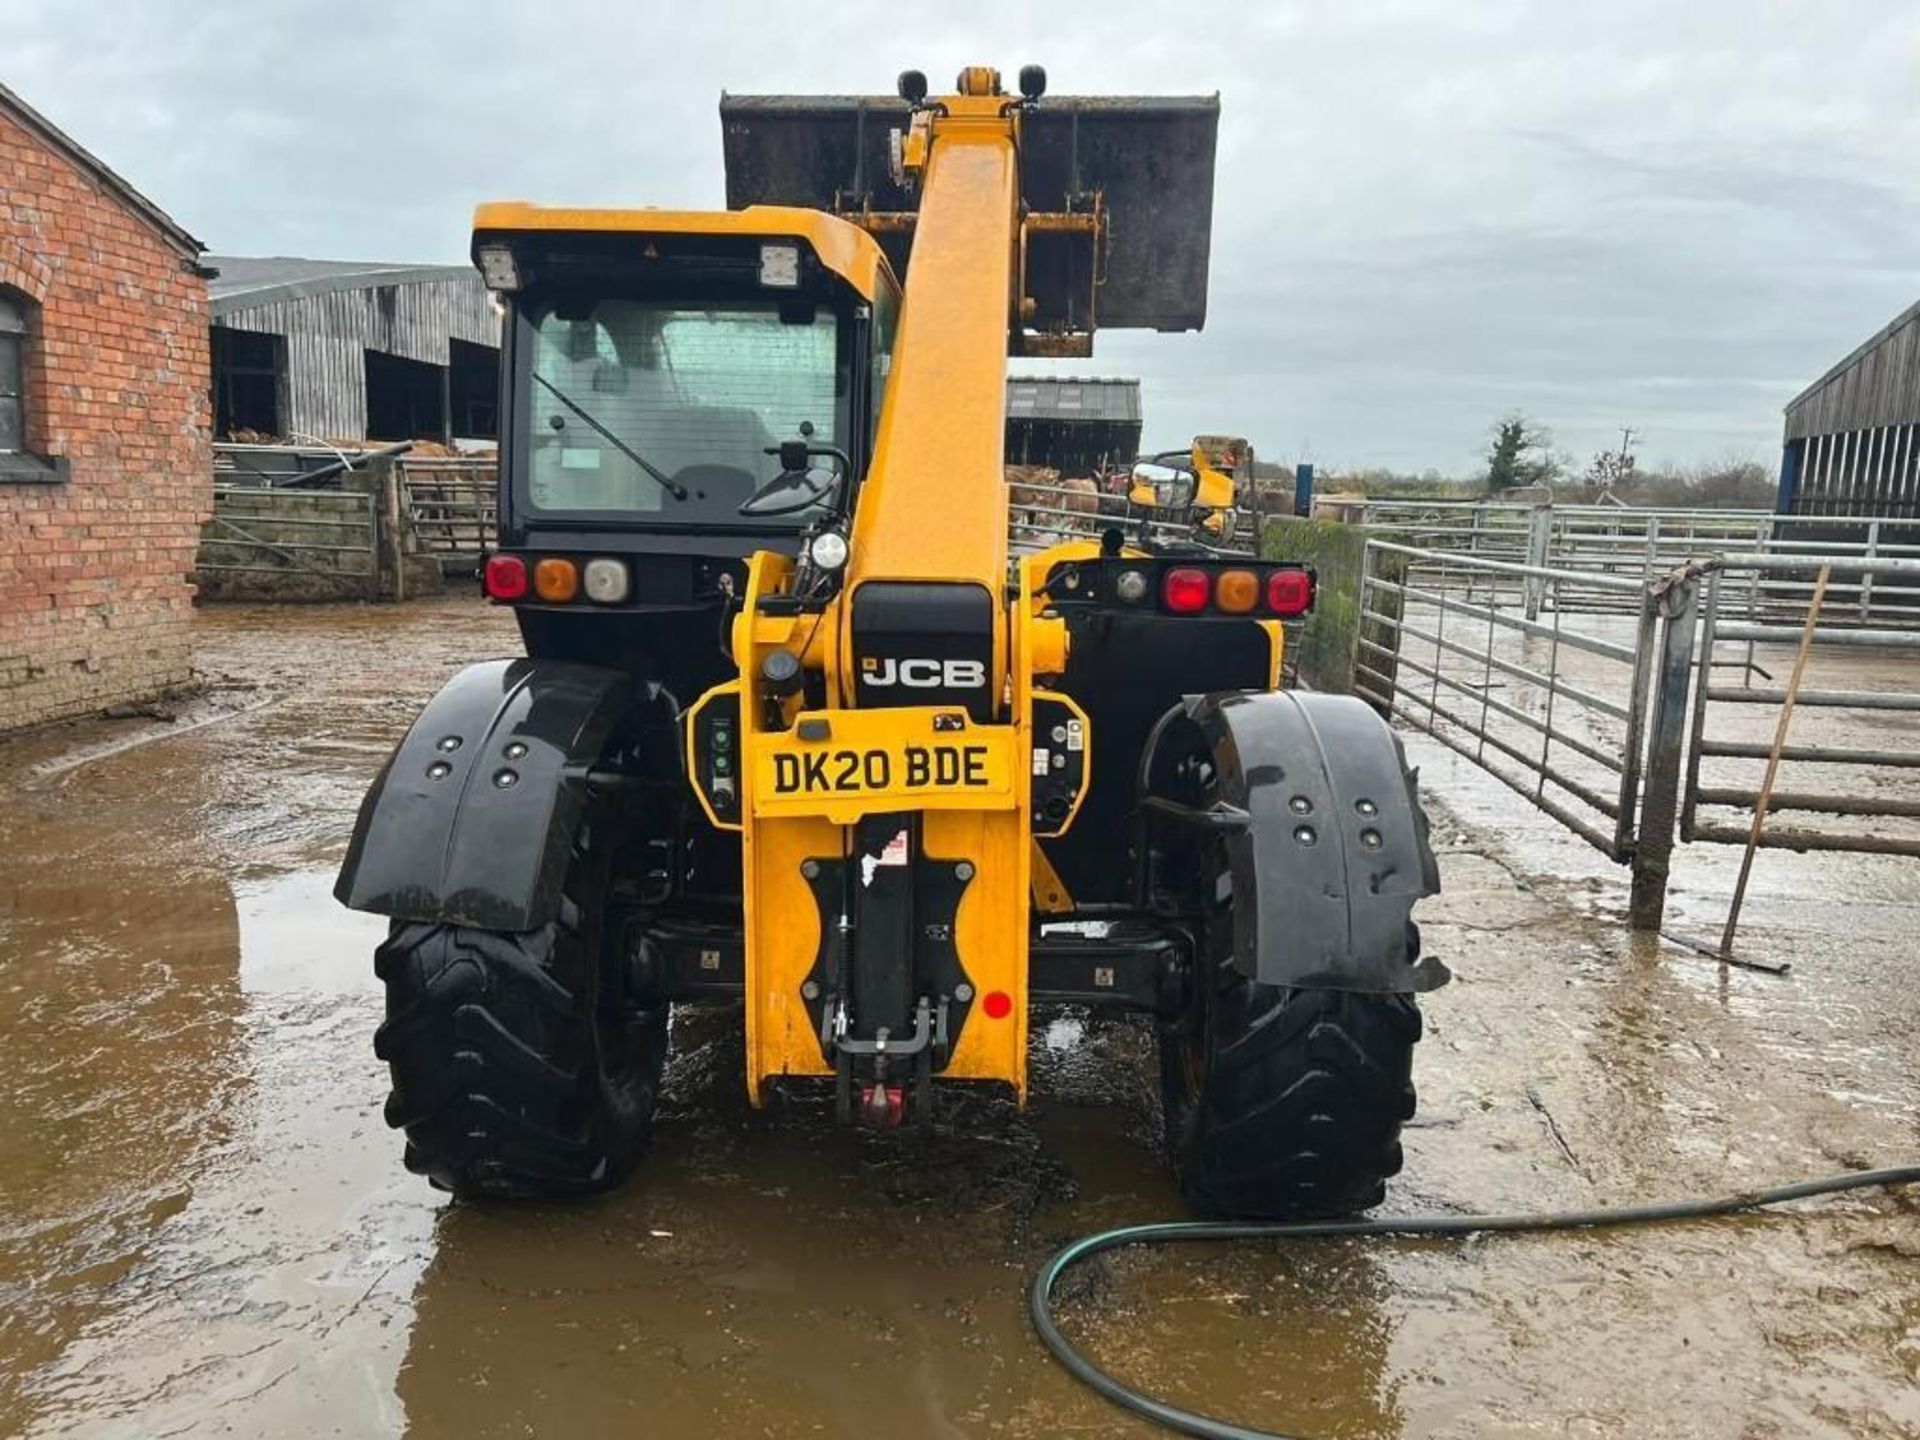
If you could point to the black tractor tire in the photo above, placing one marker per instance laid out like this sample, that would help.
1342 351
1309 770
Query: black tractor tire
1284 1103
516 1073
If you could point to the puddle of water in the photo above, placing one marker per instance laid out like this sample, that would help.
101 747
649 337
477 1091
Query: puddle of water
296 940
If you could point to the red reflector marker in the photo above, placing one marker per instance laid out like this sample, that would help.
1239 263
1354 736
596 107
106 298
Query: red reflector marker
1186 591
1289 592
997 1003
505 577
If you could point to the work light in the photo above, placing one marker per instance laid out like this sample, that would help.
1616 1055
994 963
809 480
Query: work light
828 550
780 266
497 267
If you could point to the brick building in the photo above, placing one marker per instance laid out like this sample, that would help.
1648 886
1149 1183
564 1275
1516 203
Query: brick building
105 469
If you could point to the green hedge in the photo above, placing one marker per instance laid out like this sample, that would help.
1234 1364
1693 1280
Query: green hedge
1322 648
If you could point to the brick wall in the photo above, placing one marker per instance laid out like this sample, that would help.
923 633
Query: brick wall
94 599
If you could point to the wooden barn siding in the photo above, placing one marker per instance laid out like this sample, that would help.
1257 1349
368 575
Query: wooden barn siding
1861 472
328 334
1880 387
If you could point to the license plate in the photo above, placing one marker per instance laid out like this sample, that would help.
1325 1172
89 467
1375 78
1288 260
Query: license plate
913 767
880 759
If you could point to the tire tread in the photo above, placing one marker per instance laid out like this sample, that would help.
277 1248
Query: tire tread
1299 1114
490 1040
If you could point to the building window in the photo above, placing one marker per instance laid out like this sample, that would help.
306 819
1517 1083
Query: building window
17 335
13 372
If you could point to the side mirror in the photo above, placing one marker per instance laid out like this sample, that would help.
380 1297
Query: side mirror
793 456
1142 485
1157 485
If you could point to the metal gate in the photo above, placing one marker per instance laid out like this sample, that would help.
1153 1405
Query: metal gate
1582 712
1579 689
452 508
1853 760
308 544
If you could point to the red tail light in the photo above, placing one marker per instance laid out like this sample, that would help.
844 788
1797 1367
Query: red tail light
1290 592
505 577
1186 591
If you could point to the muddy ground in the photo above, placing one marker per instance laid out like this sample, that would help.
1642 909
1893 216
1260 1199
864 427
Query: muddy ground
205 1228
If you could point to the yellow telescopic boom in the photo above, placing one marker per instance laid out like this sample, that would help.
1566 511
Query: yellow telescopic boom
1021 224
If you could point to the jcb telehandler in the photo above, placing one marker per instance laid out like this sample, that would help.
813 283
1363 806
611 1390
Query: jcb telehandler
790 731
1203 483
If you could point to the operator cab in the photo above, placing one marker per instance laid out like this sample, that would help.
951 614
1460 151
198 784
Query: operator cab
708 388
679 391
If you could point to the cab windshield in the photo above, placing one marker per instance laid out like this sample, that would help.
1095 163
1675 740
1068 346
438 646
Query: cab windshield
635 404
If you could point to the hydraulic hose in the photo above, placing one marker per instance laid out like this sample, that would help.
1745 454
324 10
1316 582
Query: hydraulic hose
1188 1422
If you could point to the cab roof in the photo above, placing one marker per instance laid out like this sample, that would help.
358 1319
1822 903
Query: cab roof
844 248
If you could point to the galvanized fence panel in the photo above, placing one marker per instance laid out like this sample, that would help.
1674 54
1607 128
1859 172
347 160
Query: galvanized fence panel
1043 514
1471 668
1582 714
452 509
1863 591
1641 543
1851 767
1493 530
1579 688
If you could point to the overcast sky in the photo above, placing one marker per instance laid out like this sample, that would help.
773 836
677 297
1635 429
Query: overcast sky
1629 212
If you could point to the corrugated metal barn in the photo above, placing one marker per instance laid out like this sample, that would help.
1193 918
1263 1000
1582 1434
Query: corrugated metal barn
1074 425
1853 436
346 351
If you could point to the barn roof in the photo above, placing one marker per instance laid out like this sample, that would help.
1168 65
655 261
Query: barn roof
1886 332
245 281
1101 399
56 139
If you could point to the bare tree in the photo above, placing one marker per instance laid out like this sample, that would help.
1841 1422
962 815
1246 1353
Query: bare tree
1613 470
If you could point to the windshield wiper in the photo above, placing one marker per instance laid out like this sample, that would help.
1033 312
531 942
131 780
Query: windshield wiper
654 472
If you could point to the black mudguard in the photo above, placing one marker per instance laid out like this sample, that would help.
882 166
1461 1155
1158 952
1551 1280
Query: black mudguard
473 818
1326 842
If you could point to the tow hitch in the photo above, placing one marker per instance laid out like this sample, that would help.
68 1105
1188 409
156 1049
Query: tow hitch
883 1104
883 1107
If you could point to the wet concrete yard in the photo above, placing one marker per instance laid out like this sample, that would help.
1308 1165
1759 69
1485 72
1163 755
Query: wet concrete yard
205 1228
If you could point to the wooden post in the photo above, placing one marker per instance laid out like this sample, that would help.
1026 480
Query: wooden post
1765 798
390 542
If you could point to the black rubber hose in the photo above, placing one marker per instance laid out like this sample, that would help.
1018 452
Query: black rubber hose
1040 1298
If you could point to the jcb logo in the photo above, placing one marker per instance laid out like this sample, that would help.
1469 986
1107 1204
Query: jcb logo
925 674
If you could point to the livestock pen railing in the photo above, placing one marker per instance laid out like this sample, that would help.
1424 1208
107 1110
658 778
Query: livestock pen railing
316 544
1042 513
452 509
1851 764
1559 709
1640 544
305 522
1638 720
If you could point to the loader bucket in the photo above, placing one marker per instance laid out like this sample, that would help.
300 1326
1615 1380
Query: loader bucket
1149 158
